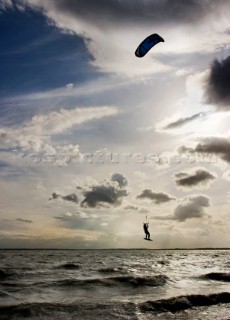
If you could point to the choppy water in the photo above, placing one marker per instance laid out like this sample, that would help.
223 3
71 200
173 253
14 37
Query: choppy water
114 284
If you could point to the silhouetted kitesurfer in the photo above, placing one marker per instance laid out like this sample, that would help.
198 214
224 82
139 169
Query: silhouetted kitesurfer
147 234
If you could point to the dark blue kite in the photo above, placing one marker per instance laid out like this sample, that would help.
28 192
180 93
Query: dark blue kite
147 44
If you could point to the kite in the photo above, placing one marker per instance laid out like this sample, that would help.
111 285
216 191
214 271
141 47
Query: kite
147 44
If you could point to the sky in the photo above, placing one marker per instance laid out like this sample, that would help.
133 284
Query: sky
94 141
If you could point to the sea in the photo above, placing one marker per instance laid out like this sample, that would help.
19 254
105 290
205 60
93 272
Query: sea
114 284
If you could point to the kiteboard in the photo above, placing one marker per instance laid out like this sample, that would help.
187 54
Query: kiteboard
148 239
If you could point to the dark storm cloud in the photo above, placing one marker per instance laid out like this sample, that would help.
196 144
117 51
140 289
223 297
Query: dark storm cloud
218 85
182 121
101 12
70 197
106 193
120 179
217 146
189 180
103 193
193 207
24 220
158 198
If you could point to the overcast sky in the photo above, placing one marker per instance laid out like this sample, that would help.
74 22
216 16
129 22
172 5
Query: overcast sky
94 141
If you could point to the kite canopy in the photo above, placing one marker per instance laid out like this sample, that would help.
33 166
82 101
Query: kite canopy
147 44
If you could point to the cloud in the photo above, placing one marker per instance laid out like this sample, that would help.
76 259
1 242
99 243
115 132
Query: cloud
215 145
58 121
110 192
131 208
194 208
24 220
70 197
209 149
55 196
158 198
77 219
88 219
199 177
14 225
226 175
35 134
102 12
120 179
69 86
106 194
5 4
191 207
103 193
218 88
183 121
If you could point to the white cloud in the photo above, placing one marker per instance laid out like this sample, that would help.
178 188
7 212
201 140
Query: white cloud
69 85
94 87
226 175
36 133
57 122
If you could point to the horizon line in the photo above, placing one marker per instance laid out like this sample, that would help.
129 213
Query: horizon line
198 248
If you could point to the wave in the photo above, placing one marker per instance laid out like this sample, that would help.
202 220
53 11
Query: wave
112 270
30 310
4 274
218 276
163 262
3 294
113 281
109 309
10 273
180 303
68 266
81 310
153 281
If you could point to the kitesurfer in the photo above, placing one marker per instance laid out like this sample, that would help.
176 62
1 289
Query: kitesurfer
147 234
